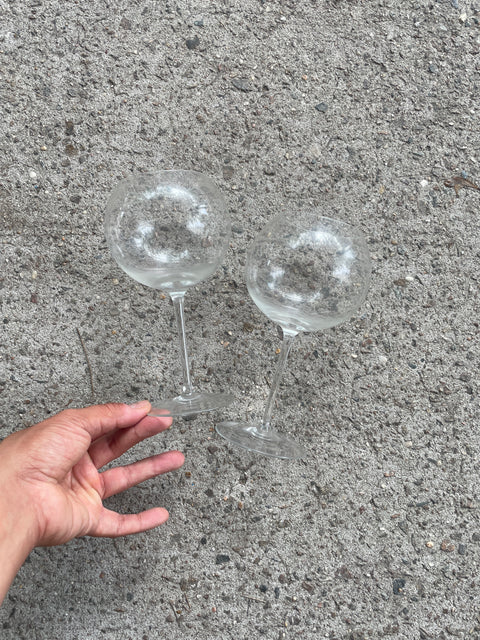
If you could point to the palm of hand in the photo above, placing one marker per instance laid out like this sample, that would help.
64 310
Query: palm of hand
67 491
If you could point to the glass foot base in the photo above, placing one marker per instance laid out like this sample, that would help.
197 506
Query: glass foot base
268 443
192 404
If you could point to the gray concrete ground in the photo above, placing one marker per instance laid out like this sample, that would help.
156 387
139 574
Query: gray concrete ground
377 533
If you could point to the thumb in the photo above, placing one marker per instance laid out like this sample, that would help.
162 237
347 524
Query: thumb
98 420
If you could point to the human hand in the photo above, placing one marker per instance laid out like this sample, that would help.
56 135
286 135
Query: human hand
50 479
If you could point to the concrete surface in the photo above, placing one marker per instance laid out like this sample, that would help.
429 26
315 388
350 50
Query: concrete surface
282 103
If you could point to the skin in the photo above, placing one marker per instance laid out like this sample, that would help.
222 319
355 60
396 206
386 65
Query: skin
52 489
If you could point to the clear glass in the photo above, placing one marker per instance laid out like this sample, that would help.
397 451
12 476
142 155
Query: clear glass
170 230
306 272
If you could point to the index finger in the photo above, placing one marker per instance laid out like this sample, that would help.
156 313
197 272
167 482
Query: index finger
115 443
98 420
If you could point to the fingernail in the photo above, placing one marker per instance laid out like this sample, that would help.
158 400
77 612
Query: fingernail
142 404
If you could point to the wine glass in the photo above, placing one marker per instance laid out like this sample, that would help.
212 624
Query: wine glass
306 272
169 230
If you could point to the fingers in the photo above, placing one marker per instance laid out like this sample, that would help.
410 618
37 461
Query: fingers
122 478
113 445
112 524
98 420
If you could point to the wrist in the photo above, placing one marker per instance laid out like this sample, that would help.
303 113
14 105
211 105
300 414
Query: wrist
17 535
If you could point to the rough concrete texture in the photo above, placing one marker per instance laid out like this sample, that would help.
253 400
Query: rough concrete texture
284 104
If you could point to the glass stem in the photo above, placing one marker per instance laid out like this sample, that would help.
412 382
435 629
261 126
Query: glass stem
178 300
287 342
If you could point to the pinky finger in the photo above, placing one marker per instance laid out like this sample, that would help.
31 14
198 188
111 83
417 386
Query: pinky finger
112 524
